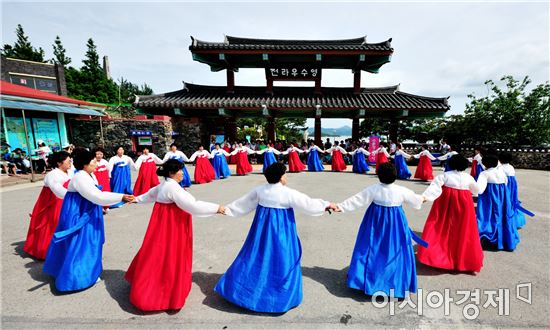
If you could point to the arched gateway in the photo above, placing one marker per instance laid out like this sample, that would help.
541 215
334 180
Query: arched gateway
217 107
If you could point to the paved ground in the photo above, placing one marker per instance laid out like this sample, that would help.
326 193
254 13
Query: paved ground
29 302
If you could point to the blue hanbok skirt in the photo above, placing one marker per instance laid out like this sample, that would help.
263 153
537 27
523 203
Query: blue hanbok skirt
479 169
269 158
383 258
518 211
74 255
403 171
220 166
314 163
495 219
121 181
360 164
266 276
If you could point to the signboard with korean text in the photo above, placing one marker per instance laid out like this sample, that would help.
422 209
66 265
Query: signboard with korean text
293 73
374 142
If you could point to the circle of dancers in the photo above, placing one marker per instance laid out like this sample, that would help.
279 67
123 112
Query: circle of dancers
67 229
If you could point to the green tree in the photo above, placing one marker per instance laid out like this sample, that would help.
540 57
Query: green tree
59 53
23 49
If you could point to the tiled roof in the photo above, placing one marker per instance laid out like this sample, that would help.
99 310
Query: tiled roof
243 97
237 43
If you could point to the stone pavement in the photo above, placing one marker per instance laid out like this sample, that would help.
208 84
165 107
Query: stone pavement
28 300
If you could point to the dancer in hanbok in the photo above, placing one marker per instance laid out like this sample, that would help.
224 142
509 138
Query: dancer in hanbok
102 170
219 162
424 170
295 165
446 156
519 211
314 163
338 164
241 158
360 165
74 255
266 275
204 172
174 153
160 273
495 214
147 178
400 157
121 178
269 156
477 164
45 214
382 155
451 227
383 261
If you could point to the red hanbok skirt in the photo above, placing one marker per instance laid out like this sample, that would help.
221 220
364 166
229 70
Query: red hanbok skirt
452 234
103 179
474 168
147 178
44 219
338 164
424 169
243 166
381 158
204 172
294 162
160 274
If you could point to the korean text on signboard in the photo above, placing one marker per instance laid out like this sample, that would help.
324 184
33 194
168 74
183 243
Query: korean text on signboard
293 72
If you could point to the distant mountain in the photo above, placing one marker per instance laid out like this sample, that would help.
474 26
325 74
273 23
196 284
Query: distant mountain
340 131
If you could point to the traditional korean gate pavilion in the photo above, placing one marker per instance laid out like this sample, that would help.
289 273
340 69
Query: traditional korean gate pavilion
292 60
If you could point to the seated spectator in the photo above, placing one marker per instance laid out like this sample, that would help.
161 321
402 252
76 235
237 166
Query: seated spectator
16 158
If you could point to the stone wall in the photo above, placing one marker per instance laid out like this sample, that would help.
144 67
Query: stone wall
189 133
86 133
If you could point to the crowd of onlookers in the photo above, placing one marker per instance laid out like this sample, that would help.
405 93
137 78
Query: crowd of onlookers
17 162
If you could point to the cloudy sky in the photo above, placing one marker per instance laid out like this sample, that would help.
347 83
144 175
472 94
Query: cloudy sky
440 49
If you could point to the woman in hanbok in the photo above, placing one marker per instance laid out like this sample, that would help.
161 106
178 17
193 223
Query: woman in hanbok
451 227
295 165
266 275
495 214
219 162
382 155
477 164
160 273
45 214
400 157
204 172
338 164
269 156
446 156
424 170
314 163
121 178
383 261
174 153
74 255
519 211
360 165
102 170
241 158
147 178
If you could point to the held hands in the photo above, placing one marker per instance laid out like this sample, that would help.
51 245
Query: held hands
221 209
129 198
333 207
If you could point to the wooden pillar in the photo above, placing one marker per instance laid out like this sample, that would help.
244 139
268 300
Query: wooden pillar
355 129
317 131
394 124
357 82
230 80
231 130
271 129
269 87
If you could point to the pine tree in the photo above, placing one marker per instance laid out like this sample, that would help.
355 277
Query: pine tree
59 53
22 49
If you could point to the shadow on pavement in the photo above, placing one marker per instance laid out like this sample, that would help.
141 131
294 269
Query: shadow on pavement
334 281
207 282
34 268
